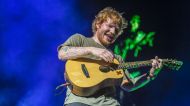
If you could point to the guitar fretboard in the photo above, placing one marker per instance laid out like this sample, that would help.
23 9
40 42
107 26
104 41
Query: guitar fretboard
173 64
137 64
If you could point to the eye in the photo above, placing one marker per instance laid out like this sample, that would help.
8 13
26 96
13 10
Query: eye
111 26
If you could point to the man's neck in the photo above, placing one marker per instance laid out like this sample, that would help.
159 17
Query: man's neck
96 40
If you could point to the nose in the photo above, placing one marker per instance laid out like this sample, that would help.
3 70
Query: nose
113 30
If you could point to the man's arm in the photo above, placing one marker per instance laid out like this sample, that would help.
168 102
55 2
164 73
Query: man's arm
134 84
144 79
68 52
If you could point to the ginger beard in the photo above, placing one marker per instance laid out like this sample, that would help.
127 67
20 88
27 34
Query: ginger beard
105 38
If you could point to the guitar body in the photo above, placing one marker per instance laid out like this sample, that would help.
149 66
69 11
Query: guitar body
86 78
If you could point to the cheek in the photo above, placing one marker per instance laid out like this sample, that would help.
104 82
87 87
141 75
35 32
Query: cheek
104 28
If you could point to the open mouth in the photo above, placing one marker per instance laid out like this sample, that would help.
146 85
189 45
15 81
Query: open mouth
110 38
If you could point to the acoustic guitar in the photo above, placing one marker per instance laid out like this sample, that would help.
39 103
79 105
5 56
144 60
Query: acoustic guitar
86 76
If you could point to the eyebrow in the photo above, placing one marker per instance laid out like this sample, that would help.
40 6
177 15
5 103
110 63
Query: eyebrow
115 25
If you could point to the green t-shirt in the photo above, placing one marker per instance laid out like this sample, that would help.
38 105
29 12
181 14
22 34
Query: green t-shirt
105 98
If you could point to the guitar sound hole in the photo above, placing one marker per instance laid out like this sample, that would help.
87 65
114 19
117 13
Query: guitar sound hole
111 67
104 68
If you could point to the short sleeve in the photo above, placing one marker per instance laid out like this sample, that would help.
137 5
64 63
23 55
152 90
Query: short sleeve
75 40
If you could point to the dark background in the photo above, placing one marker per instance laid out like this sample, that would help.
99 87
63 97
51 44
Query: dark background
31 30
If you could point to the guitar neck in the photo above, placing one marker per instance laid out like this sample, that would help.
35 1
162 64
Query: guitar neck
137 64
172 64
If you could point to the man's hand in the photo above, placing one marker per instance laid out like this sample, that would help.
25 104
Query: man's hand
102 53
156 64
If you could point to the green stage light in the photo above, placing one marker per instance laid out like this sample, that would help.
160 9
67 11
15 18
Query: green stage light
136 41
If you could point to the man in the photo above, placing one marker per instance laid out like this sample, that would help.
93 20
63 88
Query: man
107 27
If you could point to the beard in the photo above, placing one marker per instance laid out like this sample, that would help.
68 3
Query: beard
106 38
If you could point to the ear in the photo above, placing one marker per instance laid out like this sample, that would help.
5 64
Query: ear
98 25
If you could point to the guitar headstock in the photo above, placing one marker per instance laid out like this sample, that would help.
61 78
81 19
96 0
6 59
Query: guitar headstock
172 64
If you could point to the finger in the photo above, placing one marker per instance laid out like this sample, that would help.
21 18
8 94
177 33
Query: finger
103 57
110 53
109 56
156 57
153 63
151 72
157 65
160 63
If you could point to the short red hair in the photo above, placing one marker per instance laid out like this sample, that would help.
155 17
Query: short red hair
111 13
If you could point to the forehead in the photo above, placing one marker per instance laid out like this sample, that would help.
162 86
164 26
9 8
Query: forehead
111 22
